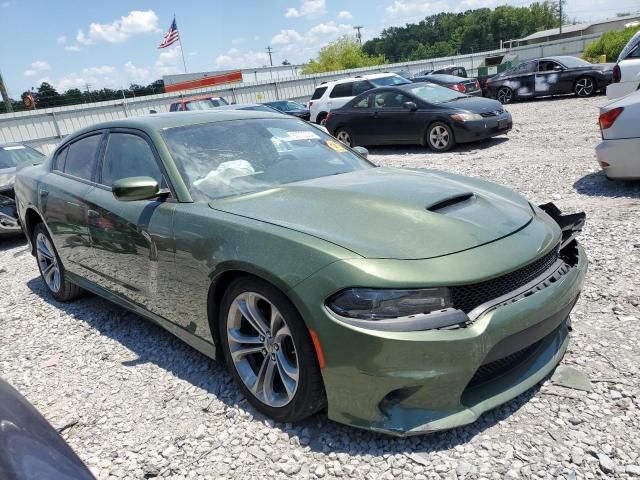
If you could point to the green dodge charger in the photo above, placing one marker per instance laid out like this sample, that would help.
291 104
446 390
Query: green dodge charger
402 301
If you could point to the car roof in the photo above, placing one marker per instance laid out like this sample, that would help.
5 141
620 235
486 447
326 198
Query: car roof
195 99
161 121
359 77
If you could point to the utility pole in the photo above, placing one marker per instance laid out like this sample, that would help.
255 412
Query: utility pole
5 96
561 2
358 34
270 51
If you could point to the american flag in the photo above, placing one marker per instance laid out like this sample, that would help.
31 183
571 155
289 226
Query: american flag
171 36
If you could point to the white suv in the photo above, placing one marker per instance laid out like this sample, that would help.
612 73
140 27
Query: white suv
626 72
332 95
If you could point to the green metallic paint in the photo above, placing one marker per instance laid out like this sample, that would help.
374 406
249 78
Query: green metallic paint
160 259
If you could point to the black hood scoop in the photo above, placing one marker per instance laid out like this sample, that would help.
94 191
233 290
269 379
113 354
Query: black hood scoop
450 201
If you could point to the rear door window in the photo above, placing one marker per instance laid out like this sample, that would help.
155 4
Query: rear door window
318 93
342 90
82 157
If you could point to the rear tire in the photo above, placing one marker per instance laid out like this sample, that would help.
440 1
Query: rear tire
504 95
321 119
440 137
51 270
343 135
269 352
584 87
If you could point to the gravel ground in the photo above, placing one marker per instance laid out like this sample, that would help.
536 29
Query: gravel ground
134 402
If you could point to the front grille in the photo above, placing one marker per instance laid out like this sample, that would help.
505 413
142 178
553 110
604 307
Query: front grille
493 113
490 371
468 297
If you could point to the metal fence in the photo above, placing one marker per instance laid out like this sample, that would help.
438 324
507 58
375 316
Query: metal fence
44 128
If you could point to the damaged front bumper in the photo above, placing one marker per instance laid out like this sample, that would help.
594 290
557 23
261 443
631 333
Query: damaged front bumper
9 223
414 382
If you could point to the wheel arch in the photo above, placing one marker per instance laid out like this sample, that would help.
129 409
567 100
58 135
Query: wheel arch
31 219
322 114
220 282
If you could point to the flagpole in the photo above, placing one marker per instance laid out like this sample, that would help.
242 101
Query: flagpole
181 49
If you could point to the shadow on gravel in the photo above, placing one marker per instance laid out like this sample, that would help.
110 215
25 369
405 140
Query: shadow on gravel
13 241
153 344
597 185
419 149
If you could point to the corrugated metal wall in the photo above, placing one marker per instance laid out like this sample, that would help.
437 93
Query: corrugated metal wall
43 129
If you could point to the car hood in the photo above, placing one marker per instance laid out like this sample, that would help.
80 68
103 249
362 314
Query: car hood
390 213
475 104
7 178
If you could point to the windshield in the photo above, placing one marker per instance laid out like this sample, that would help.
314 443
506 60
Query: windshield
205 104
226 158
389 81
12 156
573 62
287 105
432 93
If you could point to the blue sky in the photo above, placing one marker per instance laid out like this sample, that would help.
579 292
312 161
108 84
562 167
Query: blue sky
114 42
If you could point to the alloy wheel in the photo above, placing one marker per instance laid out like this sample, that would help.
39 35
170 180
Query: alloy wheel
344 137
584 87
262 349
504 95
47 262
439 137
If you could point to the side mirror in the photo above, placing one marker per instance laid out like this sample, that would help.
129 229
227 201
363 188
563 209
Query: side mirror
135 188
557 68
410 106
363 152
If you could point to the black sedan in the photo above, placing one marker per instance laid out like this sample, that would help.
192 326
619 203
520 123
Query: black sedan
417 113
290 108
30 449
549 76
470 86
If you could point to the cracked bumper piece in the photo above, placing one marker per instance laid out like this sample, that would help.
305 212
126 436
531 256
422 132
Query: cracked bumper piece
409 383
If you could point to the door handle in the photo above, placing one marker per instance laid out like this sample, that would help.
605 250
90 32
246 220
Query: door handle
375 115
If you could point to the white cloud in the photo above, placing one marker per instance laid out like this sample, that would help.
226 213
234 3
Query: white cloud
292 45
137 22
308 8
237 41
36 67
234 58
169 62
72 48
103 70
403 11
61 40
137 74
285 37
82 38
344 15
473 4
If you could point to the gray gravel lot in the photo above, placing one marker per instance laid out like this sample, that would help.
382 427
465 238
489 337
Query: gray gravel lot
135 402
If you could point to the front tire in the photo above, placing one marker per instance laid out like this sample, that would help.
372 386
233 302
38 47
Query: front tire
584 87
51 270
269 352
343 135
440 137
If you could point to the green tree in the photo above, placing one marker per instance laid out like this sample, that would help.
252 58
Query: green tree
609 44
342 54
47 96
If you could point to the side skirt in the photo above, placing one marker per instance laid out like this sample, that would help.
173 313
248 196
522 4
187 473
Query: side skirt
190 339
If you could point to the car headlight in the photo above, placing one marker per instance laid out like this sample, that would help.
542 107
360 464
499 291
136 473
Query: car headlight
466 117
380 304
